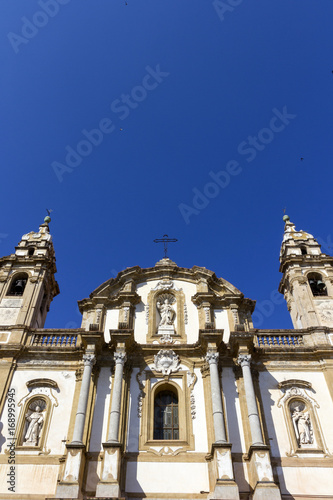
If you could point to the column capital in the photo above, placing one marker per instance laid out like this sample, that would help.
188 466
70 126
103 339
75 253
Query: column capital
89 360
120 357
212 358
244 360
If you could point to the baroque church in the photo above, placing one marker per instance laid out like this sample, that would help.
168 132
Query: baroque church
167 391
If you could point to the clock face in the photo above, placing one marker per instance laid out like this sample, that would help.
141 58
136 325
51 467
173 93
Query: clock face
325 310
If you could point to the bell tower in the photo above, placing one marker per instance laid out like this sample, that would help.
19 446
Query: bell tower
307 281
27 283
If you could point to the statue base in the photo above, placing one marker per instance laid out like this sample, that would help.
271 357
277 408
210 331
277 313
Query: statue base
166 330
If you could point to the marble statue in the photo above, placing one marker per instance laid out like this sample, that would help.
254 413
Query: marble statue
166 311
36 420
302 425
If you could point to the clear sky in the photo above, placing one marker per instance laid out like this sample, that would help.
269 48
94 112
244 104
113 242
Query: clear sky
199 119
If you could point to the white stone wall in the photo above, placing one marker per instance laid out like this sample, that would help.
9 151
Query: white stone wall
111 323
166 478
222 322
232 411
101 411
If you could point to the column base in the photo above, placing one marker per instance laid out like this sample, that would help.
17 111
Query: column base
69 486
266 491
107 490
68 490
261 474
226 490
108 485
226 486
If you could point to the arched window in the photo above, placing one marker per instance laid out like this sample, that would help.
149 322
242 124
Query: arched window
18 285
303 250
317 285
166 422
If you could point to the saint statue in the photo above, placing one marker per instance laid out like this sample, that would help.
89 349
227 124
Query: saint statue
167 312
36 420
302 425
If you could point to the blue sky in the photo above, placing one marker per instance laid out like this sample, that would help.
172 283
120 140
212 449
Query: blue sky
184 95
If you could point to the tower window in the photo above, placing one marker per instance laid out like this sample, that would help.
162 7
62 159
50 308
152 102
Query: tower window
317 285
166 422
31 251
304 251
18 285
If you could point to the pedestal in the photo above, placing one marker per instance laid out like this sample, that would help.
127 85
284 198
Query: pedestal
69 486
262 475
226 486
108 485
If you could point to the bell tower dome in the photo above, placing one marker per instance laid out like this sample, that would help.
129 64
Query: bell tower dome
27 283
307 282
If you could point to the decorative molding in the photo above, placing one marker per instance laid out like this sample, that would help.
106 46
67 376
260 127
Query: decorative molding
141 379
185 314
147 313
120 357
212 357
244 360
191 379
166 339
42 382
207 314
89 360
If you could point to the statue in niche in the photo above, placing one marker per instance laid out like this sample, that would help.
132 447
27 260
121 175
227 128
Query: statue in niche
302 424
35 421
166 311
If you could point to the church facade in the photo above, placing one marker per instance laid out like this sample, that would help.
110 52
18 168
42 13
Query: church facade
167 391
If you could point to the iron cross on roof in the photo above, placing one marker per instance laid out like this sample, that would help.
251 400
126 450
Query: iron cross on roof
165 240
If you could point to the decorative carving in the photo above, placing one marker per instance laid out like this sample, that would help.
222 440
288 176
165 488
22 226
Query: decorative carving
126 310
166 339
207 314
212 357
185 314
263 467
141 379
224 464
166 285
244 360
166 361
147 313
234 313
120 357
191 380
166 450
98 315
302 423
89 360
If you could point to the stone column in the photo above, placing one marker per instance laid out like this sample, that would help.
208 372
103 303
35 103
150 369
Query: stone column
108 485
244 361
89 360
69 486
220 436
225 486
120 358
260 469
